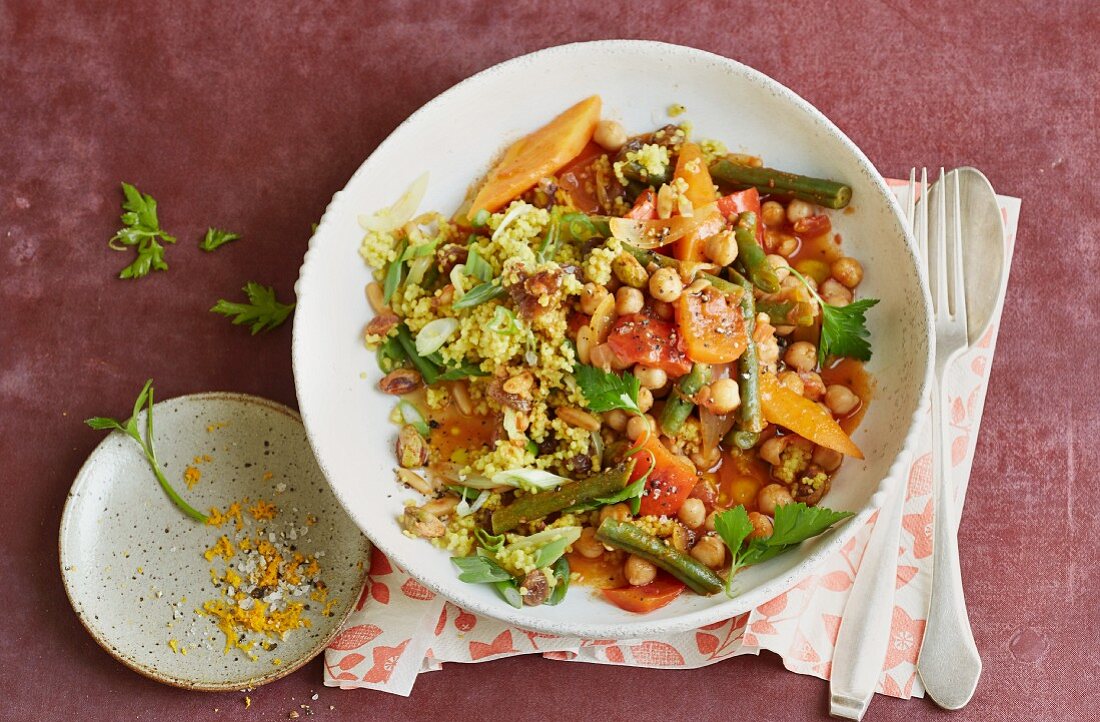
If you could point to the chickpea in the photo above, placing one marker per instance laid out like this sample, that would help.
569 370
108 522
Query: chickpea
706 460
771 496
827 459
610 135
848 271
792 381
628 300
835 293
709 551
588 546
724 396
771 449
616 419
773 213
649 377
709 523
693 513
813 388
638 571
645 399
840 400
761 526
779 263
801 356
798 209
721 248
602 357
591 296
665 285
663 310
618 512
637 427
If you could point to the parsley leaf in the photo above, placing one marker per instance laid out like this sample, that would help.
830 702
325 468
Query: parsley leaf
262 310
843 328
216 238
794 524
140 231
606 391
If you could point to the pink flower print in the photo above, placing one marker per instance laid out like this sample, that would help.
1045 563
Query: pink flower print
385 660
905 636
379 564
920 477
920 526
657 654
415 590
380 592
501 645
707 643
614 654
354 637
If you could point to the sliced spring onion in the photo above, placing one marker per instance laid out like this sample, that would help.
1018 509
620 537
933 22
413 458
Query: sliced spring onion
391 355
492 542
561 575
458 274
514 212
400 212
420 250
394 274
465 508
481 218
568 534
504 322
477 266
478 482
435 334
411 415
418 268
478 295
509 592
529 479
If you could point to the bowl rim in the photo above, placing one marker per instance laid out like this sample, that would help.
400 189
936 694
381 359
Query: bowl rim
896 474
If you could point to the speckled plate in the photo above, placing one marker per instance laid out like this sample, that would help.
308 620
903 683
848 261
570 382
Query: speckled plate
133 563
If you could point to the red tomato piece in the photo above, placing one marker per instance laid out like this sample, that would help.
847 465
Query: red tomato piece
577 177
645 207
712 326
640 600
671 478
576 321
739 202
641 339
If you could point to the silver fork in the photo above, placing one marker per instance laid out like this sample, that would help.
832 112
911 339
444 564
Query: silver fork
949 663
864 633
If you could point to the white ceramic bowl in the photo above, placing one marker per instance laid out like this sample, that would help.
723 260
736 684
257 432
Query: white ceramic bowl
454 137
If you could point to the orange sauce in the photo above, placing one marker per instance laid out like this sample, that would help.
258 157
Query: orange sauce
454 432
825 247
739 478
603 572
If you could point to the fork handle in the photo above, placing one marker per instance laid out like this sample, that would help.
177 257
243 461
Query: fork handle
864 634
949 662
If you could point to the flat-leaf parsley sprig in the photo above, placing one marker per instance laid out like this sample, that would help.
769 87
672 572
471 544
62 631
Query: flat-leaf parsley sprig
216 238
843 328
607 391
263 311
141 231
130 428
794 524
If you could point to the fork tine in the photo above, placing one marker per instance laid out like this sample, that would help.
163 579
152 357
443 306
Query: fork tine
958 290
923 219
939 259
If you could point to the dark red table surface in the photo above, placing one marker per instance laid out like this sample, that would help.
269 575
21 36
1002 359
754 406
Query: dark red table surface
250 115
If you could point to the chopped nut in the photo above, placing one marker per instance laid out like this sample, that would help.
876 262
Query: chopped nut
415 481
629 271
578 417
422 523
400 381
382 324
520 385
412 449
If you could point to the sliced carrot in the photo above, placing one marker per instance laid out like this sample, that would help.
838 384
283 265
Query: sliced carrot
712 326
640 600
692 168
540 154
792 411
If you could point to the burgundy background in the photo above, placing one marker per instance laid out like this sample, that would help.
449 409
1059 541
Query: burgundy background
250 115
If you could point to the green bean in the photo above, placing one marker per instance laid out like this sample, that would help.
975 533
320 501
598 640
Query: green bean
679 404
629 538
752 257
786 185
750 419
536 506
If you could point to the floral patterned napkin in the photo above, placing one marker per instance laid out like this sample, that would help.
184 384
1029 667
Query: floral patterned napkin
400 629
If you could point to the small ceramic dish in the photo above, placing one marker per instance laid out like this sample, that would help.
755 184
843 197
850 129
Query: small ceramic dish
133 563
454 138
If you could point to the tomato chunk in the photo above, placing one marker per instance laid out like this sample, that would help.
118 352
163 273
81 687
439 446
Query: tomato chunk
711 325
640 600
739 202
645 207
671 478
641 339
577 177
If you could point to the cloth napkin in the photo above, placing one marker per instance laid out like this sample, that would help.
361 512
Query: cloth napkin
400 628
